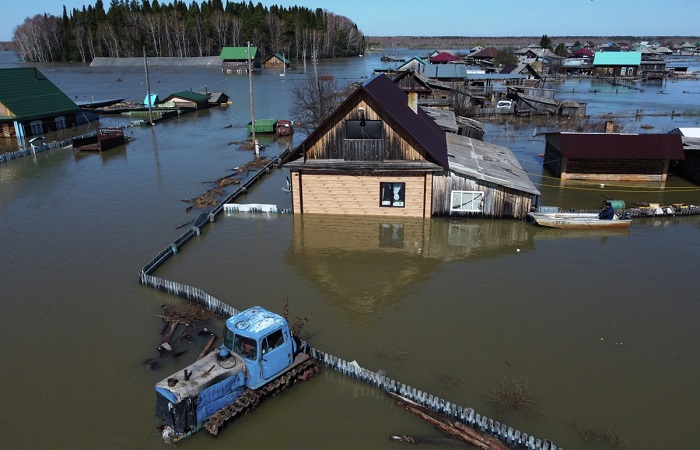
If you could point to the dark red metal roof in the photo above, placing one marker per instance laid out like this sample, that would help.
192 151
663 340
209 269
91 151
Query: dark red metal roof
621 146
443 57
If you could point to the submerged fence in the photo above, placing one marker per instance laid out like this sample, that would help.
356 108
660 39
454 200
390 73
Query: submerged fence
352 369
34 149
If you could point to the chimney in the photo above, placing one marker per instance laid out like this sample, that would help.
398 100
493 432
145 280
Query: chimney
412 94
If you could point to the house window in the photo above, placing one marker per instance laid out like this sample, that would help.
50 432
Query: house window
466 201
392 194
363 129
623 71
60 122
37 127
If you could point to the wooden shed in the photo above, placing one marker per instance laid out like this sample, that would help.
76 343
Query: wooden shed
611 156
186 99
617 64
690 167
276 61
374 155
483 180
235 60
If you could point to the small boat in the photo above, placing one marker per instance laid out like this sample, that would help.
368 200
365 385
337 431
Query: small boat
576 220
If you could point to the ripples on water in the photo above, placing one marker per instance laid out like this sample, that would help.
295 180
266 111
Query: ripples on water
599 324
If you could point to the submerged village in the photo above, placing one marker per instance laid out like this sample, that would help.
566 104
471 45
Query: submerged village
406 144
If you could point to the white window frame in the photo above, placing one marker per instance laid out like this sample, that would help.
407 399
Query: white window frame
468 201
623 71
37 127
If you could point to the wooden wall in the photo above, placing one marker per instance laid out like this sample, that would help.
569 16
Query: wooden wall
357 195
332 143
499 202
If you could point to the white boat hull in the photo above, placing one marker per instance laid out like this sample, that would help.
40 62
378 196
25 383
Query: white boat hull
576 220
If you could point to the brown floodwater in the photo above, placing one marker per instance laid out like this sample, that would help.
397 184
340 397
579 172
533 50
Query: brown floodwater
599 325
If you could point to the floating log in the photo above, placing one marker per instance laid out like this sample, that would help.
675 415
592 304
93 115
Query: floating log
455 430
425 440
207 347
172 325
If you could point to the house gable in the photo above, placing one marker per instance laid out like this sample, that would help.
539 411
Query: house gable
406 136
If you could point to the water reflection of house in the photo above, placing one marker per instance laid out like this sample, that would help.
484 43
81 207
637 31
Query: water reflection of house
30 104
380 154
369 264
612 156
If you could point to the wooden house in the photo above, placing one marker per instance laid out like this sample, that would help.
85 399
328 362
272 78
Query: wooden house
376 154
30 104
276 61
235 60
484 57
690 167
443 58
186 100
611 156
415 64
617 64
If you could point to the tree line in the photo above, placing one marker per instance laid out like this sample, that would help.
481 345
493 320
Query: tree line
174 29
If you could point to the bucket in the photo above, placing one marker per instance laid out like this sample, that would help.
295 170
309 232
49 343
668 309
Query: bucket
617 204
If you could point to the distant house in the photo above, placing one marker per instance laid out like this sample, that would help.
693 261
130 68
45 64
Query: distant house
374 155
186 99
521 69
235 59
416 64
612 156
30 104
617 64
690 167
218 98
484 56
276 61
443 58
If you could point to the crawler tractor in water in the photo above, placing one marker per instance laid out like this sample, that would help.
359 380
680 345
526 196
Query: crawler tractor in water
258 358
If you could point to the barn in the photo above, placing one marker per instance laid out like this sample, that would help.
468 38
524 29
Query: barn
611 156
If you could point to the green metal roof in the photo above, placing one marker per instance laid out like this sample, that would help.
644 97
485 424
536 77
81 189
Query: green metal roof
28 94
617 59
238 53
189 95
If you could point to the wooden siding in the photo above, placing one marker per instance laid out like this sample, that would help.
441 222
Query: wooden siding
354 194
333 145
499 202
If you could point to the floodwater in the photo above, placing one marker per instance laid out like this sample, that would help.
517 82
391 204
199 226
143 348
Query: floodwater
600 326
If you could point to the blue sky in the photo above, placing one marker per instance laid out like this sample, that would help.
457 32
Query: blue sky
462 17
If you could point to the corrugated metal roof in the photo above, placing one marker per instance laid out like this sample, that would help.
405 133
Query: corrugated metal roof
238 53
621 146
617 59
488 162
28 94
189 95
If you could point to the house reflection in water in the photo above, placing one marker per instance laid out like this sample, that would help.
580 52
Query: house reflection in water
369 264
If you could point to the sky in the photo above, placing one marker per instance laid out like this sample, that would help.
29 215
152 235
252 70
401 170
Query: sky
460 17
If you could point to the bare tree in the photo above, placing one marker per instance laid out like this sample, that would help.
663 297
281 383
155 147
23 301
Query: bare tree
236 30
152 25
220 25
313 99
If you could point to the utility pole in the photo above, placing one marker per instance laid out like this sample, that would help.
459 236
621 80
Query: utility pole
148 87
252 104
